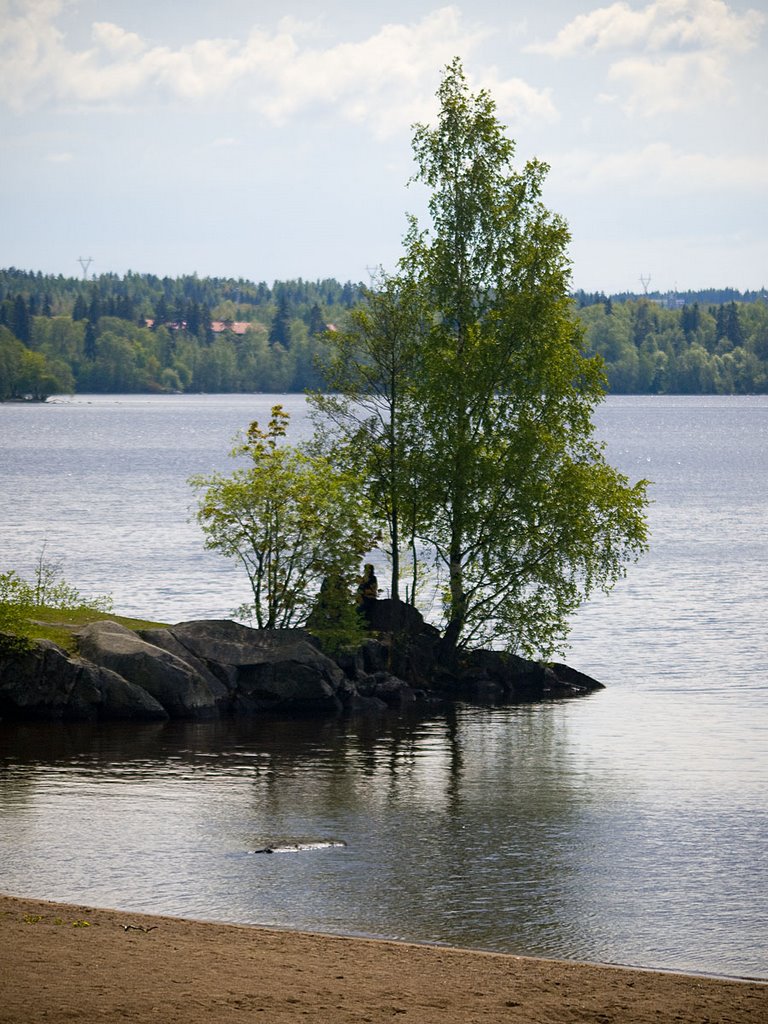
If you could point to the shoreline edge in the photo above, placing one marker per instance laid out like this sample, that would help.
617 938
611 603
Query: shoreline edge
65 961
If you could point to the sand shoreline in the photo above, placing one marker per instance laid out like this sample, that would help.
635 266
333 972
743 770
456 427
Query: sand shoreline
64 962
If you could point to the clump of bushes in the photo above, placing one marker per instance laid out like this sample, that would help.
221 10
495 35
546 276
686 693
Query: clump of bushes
19 598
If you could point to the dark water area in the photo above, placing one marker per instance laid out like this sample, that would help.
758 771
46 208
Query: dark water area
627 827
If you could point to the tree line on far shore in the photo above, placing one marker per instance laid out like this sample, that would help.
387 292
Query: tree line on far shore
142 333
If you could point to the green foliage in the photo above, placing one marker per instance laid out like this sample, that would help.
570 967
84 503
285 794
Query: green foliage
291 519
14 625
25 374
21 599
335 618
651 347
47 589
467 399
93 335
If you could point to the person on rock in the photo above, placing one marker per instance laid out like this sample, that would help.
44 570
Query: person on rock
368 587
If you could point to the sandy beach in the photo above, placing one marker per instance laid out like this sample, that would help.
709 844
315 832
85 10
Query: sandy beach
60 962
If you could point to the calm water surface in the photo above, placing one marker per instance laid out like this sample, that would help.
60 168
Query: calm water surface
628 827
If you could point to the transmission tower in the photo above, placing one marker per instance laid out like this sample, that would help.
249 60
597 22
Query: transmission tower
645 280
85 262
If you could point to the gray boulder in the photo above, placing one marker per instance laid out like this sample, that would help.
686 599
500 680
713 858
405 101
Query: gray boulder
497 676
45 682
390 690
279 671
174 683
572 683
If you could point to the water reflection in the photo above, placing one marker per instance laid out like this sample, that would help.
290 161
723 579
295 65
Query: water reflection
486 828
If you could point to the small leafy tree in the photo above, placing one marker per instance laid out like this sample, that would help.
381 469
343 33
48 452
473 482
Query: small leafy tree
291 519
48 589
335 619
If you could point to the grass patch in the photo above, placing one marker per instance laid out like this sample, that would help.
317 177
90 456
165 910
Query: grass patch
60 624
49 608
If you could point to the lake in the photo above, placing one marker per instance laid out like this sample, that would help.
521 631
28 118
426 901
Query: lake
628 827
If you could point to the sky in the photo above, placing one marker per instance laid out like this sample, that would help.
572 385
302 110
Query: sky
272 141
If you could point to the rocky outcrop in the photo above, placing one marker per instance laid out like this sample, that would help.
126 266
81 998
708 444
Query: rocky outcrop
217 668
413 650
175 684
45 682
277 671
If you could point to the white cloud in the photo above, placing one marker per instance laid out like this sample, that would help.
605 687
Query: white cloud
116 40
25 42
605 28
660 25
678 83
516 100
385 81
678 51
660 169
382 79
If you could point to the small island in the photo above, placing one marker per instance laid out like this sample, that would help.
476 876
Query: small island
220 668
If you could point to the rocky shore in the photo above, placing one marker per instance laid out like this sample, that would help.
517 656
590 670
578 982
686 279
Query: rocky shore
219 668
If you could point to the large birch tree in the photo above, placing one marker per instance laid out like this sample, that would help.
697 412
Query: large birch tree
519 512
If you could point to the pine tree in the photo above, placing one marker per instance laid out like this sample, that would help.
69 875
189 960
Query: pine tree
721 326
80 310
280 331
22 324
316 323
89 340
733 325
690 319
95 311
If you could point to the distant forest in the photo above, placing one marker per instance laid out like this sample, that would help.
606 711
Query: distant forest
142 333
